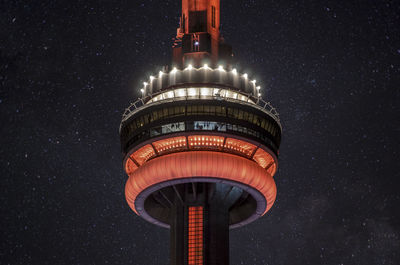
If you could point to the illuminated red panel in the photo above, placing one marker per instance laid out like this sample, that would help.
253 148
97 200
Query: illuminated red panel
240 146
195 235
196 141
169 144
205 164
143 154
271 168
265 160
130 166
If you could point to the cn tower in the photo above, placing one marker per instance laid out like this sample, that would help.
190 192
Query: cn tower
200 146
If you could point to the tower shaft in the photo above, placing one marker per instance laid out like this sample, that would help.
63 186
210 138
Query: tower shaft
200 223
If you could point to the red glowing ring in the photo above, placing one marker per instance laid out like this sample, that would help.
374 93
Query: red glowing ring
184 142
200 166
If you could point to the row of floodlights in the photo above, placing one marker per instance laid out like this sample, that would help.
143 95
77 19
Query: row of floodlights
205 66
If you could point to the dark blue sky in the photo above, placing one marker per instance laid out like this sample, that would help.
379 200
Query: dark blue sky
69 68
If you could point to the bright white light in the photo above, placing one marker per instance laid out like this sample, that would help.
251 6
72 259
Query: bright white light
205 66
180 92
234 71
196 43
221 68
259 94
192 92
254 81
160 73
199 92
174 70
169 94
151 78
142 90
205 91
190 67
258 88
145 83
245 76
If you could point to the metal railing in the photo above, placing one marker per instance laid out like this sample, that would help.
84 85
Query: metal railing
141 103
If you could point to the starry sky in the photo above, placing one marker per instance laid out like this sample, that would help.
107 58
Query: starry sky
68 69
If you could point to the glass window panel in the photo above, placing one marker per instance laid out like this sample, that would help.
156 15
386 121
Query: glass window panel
171 111
240 116
250 119
180 92
229 94
178 110
169 94
212 110
146 119
192 92
267 125
235 113
206 91
245 115
218 110
230 112
160 114
274 131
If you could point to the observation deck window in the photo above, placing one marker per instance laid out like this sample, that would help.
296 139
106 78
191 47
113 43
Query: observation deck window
200 93
196 110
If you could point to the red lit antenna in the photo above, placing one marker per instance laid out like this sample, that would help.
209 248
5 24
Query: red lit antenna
198 38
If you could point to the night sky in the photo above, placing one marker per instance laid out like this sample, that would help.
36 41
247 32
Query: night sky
68 69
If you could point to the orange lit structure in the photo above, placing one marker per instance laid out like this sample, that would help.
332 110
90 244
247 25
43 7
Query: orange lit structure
195 235
200 146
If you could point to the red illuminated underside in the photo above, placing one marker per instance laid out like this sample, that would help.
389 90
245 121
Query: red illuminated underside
202 164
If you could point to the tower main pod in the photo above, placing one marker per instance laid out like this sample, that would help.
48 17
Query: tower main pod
200 146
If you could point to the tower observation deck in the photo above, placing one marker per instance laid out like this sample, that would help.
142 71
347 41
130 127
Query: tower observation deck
200 146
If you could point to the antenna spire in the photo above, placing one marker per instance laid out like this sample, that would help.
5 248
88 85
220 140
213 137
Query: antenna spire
198 39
